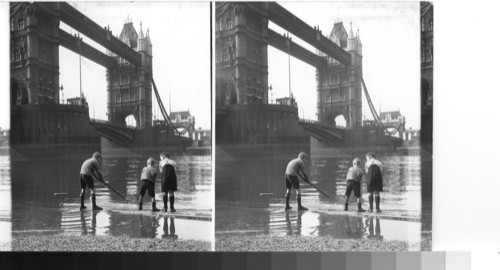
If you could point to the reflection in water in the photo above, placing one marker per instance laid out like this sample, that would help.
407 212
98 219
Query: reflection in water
377 234
148 227
342 226
354 227
169 228
241 208
46 197
134 225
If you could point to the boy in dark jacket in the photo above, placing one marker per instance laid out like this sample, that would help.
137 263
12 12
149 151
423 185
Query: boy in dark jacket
374 178
168 181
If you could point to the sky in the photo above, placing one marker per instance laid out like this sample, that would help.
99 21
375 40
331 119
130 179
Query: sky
390 35
180 34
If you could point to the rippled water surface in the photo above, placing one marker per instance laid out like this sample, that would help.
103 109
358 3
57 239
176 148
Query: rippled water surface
45 197
5 203
250 199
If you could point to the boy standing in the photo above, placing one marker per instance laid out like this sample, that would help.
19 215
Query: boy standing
88 171
374 178
148 177
293 170
168 180
354 176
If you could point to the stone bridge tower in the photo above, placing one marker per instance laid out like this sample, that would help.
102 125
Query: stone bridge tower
338 86
34 53
129 86
241 53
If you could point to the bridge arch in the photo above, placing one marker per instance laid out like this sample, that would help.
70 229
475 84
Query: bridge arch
131 120
121 117
334 118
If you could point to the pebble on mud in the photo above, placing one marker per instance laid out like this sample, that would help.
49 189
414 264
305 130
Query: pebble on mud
327 243
64 242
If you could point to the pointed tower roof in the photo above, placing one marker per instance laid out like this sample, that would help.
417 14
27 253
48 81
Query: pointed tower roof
351 34
128 31
338 20
338 34
148 39
141 34
358 37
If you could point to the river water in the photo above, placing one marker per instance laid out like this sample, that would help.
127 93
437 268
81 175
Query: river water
5 204
250 200
45 198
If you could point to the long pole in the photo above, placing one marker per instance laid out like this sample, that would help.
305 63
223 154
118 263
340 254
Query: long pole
311 184
319 190
101 179
114 190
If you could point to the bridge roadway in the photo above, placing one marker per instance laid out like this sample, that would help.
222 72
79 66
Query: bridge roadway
104 37
323 132
285 45
113 132
124 134
286 20
76 45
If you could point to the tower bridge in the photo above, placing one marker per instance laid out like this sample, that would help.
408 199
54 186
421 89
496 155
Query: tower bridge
242 104
37 115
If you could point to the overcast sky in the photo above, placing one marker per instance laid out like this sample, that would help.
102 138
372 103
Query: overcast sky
180 33
390 35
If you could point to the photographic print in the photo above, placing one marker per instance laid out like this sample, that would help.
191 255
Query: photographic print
110 127
323 126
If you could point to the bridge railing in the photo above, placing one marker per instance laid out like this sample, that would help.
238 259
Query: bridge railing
309 121
109 123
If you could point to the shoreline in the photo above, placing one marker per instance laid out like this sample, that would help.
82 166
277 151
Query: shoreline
69 243
270 243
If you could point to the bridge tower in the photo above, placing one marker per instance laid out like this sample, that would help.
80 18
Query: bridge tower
241 53
339 86
129 86
34 53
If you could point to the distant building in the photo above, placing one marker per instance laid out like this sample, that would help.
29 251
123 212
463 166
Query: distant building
203 137
289 101
391 118
80 101
181 117
184 122
411 137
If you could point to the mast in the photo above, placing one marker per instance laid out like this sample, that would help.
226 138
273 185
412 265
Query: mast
80 64
289 72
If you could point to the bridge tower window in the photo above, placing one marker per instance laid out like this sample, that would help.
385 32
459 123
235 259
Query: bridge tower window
124 79
334 79
20 25
335 94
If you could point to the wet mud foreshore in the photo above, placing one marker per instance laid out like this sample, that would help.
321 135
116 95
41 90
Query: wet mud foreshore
67 242
263 243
